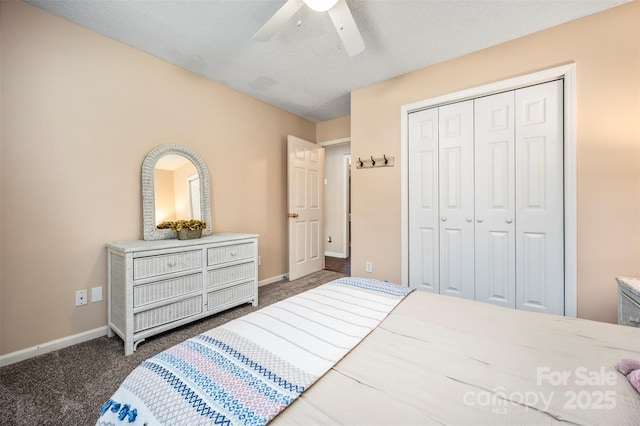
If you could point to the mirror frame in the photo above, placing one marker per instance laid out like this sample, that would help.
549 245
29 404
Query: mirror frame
149 197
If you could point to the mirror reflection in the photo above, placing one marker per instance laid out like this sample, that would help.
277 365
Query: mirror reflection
177 189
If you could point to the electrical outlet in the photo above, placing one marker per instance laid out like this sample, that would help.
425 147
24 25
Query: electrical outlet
368 266
81 297
96 294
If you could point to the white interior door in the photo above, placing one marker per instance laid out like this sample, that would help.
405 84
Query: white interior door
455 131
194 196
495 273
305 174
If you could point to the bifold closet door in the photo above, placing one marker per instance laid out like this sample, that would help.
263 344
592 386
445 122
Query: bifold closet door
424 242
495 227
486 194
540 198
441 248
456 199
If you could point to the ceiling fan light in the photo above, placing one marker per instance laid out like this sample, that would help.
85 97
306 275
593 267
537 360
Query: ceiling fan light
320 5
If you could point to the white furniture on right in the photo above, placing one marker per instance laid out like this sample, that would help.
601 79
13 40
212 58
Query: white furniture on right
628 301
158 285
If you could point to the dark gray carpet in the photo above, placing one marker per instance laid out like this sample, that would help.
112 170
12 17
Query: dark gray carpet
70 385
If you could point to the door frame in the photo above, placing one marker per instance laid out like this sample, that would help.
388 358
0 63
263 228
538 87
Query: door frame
566 72
346 195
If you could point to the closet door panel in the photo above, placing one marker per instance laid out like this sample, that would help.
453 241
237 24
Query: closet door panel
539 200
495 199
423 201
454 282
455 152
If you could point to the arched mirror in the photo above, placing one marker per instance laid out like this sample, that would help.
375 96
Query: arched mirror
175 185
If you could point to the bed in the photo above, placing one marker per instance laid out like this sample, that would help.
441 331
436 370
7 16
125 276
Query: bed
357 351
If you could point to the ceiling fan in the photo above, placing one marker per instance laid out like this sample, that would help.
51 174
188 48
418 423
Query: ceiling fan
338 11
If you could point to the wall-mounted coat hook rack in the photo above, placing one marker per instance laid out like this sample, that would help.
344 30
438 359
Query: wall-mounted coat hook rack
375 162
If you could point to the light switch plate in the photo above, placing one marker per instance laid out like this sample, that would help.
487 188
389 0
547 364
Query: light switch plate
96 294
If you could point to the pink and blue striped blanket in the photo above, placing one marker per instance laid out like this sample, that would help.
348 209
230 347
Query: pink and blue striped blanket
248 370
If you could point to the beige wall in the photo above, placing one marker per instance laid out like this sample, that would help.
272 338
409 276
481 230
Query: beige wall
79 114
338 128
606 50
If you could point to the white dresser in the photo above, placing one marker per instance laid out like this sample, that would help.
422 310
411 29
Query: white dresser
155 286
628 301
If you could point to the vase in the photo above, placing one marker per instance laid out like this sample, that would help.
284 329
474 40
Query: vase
188 234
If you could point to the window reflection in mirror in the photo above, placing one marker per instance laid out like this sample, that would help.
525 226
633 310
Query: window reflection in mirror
177 189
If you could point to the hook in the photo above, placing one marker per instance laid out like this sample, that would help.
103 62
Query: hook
386 160
360 162
373 162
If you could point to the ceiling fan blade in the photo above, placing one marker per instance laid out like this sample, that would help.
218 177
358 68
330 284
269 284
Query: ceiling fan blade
346 27
278 20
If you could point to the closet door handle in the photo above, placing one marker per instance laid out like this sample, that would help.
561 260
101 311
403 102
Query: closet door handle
480 220
509 220
469 219
444 219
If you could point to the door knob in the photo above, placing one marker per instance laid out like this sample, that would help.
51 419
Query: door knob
480 220
509 220
293 215
444 219
469 219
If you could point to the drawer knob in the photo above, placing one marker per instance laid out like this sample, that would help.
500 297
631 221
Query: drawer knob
233 253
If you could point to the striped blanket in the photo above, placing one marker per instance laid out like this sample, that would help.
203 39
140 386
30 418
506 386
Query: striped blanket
249 369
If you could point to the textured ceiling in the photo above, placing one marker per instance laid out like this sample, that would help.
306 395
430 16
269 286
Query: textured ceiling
304 69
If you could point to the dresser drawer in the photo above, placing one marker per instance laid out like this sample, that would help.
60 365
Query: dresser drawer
144 294
167 313
145 267
220 298
218 255
629 311
221 276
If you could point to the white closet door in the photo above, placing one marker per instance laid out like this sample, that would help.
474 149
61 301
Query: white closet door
539 199
456 199
423 201
495 226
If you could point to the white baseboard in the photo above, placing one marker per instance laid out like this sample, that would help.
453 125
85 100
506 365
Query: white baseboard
272 280
54 345
335 254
